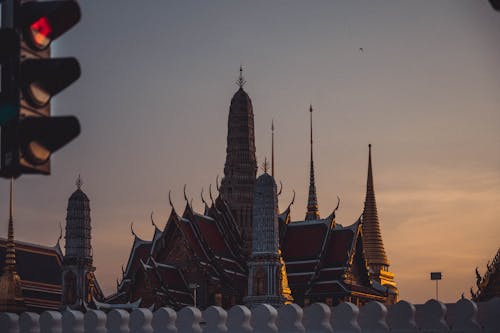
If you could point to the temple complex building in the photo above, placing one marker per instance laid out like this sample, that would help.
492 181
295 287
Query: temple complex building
78 282
11 294
240 169
38 270
265 266
242 250
488 285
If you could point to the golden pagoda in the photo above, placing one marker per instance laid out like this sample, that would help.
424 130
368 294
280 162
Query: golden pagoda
372 237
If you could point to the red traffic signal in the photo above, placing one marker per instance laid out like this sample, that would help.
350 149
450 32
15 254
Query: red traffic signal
43 22
30 78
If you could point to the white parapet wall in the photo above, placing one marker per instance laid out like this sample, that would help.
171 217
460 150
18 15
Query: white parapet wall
464 316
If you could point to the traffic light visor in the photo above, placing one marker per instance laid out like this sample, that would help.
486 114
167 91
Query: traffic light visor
44 78
42 22
41 136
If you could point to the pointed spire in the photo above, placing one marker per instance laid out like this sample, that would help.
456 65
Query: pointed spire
265 165
11 298
79 182
241 80
374 246
272 148
312 203
10 254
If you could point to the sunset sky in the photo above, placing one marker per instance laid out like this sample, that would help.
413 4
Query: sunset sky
153 100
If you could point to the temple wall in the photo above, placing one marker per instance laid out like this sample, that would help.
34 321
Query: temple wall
433 316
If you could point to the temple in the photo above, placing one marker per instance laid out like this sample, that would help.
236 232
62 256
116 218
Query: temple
488 285
226 254
34 273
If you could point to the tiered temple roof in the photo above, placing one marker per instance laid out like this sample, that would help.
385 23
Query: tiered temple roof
488 285
40 270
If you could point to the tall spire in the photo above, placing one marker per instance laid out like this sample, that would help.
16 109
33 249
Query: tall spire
10 254
312 203
374 246
11 298
240 168
272 148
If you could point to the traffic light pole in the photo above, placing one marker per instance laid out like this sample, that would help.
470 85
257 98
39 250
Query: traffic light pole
7 13
30 77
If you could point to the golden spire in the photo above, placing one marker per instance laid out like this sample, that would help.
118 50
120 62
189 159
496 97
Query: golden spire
11 298
374 246
312 203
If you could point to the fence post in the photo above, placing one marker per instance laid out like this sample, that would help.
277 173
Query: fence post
466 318
94 321
118 321
9 322
401 318
492 322
188 320
345 318
164 320
215 318
140 321
433 319
317 318
238 320
290 319
264 319
372 317
51 322
72 321
29 322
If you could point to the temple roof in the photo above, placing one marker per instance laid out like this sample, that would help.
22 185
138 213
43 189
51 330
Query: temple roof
489 284
78 195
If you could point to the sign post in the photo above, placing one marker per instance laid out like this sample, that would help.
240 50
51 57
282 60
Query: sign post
436 276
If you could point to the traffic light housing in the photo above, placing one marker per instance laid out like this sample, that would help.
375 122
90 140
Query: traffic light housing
495 4
30 78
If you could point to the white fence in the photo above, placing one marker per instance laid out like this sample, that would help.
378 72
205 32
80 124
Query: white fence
464 316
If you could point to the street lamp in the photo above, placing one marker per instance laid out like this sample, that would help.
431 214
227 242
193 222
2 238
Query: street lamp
194 286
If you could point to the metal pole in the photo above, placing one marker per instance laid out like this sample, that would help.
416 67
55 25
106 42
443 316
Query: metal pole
437 297
7 13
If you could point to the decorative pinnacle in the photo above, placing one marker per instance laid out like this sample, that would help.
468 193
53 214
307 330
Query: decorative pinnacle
79 182
10 253
241 80
312 203
265 165
272 148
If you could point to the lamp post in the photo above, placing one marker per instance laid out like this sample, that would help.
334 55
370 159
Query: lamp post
194 286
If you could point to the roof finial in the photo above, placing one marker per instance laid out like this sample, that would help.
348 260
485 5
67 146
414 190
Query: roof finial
272 148
79 182
312 203
265 165
241 80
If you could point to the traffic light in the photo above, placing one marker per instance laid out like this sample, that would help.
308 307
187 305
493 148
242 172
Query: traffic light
30 78
495 4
